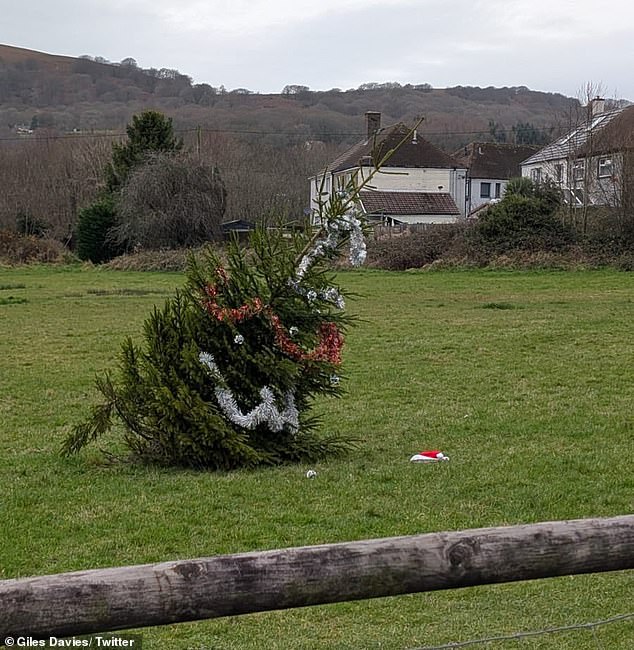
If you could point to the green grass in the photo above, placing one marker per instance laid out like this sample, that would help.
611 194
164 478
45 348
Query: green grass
12 300
523 379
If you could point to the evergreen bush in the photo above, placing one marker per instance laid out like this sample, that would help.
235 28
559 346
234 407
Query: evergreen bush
525 219
94 223
150 132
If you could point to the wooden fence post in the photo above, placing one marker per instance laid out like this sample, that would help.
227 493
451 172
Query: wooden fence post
156 594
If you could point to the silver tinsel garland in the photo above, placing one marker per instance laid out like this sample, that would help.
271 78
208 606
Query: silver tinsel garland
266 412
348 223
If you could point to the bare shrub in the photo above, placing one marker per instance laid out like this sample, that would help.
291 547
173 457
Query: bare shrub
170 202
18 249
417 249
162 260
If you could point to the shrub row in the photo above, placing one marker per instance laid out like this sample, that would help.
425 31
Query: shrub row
460 246
417 248
18 249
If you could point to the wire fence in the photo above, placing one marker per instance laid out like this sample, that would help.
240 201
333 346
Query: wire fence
518 636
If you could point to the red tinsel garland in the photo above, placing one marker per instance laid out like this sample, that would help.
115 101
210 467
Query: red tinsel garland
330 340
235 315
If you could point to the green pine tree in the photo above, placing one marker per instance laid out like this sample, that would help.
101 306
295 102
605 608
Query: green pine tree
149 132
265 328
93 225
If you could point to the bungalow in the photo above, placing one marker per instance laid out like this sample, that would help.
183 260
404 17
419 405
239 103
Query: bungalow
490 166
592 163
418 184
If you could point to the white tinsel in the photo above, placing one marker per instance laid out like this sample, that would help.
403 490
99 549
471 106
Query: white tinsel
331 294
320 248
349 222
358 251
266 412
238 339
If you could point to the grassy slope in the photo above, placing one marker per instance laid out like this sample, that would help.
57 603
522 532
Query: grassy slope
524 379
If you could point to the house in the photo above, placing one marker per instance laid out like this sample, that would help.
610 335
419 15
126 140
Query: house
419 183
591 163
490 166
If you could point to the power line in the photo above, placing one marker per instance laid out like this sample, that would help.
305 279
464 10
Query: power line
312 136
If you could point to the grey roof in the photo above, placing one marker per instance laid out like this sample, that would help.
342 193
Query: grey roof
413 152
576 141
494 159
237 225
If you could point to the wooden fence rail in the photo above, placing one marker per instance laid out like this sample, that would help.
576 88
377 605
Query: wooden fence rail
99 600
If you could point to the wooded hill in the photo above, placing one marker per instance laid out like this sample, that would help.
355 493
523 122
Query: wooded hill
85 94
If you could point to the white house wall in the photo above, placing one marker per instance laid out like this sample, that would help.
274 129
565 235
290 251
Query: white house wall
317 184
600 191
547 170
413 180
458 189
475 201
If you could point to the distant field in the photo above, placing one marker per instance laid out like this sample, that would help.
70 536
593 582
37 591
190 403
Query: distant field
524 379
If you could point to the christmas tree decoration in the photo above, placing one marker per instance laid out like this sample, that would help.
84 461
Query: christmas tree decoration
264 413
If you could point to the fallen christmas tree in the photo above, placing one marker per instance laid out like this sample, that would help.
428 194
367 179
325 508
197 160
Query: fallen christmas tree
231 364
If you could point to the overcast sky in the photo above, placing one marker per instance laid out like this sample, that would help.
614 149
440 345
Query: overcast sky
263 45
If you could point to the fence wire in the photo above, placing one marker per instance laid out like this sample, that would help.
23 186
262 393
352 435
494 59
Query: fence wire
525 635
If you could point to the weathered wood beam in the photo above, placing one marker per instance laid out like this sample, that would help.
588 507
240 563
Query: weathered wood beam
157 594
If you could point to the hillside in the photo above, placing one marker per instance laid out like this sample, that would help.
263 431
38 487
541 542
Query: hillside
10 55
67 94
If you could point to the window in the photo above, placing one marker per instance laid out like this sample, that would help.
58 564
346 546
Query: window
578 170
498 190
559 173
605 167
536 175
485 190
576 197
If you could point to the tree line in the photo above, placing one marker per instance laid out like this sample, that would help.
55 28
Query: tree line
47 182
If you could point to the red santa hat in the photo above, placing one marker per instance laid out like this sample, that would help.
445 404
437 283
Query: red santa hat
431 456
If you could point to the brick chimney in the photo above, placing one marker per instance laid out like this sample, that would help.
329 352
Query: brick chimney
372 123
597 106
